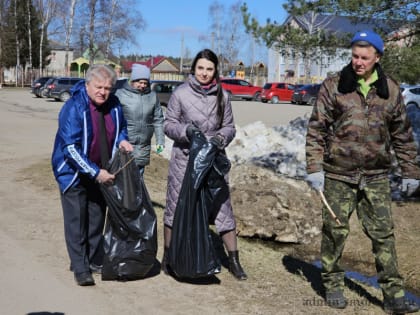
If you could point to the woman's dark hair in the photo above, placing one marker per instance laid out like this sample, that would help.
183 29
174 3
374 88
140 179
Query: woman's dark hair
210 55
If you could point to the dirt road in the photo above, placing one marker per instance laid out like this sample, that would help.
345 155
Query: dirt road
34 273
34 262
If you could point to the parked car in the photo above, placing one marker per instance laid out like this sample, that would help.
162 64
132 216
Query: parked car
411 94
119 84
163 88
38 85
275 92
241 89
43 90
306 94
59 88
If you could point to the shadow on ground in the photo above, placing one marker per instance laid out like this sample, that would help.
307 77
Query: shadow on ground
313 275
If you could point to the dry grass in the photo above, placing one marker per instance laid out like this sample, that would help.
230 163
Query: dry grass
282 278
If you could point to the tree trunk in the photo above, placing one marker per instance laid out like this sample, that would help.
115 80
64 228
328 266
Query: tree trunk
17 43
92 51
69 31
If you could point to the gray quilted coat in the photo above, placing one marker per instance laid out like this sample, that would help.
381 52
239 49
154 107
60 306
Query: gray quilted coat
191 104
144 117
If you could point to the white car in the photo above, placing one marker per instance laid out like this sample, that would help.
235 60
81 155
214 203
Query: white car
411 94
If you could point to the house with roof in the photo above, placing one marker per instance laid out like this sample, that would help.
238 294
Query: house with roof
161 68
281 64
79 66
55 61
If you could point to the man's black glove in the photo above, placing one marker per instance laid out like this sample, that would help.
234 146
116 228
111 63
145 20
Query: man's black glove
191 129
217 141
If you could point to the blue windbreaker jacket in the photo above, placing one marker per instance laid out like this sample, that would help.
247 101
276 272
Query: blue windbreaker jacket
74 137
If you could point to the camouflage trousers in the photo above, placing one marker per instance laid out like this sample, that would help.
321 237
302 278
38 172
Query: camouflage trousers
373 207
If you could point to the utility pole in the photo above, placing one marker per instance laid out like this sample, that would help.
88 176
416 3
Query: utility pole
252 59
181 65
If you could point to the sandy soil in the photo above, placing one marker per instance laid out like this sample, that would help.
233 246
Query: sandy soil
34 264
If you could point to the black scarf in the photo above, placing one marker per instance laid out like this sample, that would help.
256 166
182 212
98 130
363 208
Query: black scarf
348 81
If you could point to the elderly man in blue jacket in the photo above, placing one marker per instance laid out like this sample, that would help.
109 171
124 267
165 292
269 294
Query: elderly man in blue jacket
91 128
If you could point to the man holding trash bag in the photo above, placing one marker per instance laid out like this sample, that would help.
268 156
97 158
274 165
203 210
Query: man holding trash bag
91 127
358 118
130 232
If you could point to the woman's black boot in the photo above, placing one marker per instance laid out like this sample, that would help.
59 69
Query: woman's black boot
235 266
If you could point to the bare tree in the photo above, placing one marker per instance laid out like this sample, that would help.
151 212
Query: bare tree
225 36
69 30
28 23
216 12
17 41
92 47
231 36
4 5
46 9
110 32
116 24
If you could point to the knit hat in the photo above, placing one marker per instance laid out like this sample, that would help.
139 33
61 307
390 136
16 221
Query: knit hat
372 38
139 71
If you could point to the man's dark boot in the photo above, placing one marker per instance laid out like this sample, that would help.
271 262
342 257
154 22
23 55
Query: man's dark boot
400 306
84 278
336 299
164 263
235 266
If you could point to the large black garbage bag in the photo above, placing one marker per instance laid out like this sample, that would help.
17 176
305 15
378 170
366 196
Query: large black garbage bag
204 189
130 234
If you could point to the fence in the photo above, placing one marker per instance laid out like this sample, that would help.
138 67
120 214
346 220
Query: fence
19 76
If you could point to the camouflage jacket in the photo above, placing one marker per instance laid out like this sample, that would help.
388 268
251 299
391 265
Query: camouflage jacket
351 137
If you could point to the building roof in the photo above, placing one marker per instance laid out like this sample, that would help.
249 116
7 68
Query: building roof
340 25
155 64
53 45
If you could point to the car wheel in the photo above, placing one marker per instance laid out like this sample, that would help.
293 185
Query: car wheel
264 101
257 97
44 93
312 101
412 104
411 110
64 96
275 100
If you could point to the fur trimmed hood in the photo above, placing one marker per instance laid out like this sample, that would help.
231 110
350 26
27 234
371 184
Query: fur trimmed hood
348 81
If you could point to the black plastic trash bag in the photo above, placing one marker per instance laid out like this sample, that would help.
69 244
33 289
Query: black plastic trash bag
130 234
204 189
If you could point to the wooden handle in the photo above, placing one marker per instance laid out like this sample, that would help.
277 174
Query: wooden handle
325 202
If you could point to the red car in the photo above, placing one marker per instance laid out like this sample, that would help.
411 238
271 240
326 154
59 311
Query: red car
277 91
241 89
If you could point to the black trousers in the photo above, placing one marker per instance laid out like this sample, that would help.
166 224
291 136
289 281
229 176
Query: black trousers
84 214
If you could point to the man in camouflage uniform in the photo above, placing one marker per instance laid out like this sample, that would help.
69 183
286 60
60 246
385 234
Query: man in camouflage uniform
358 118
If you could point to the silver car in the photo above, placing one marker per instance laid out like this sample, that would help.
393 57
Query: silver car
163 88
411 94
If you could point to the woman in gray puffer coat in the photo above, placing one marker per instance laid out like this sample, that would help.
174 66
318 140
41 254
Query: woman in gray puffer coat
143 113
200 104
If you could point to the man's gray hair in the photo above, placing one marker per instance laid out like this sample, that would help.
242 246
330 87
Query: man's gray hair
101 72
